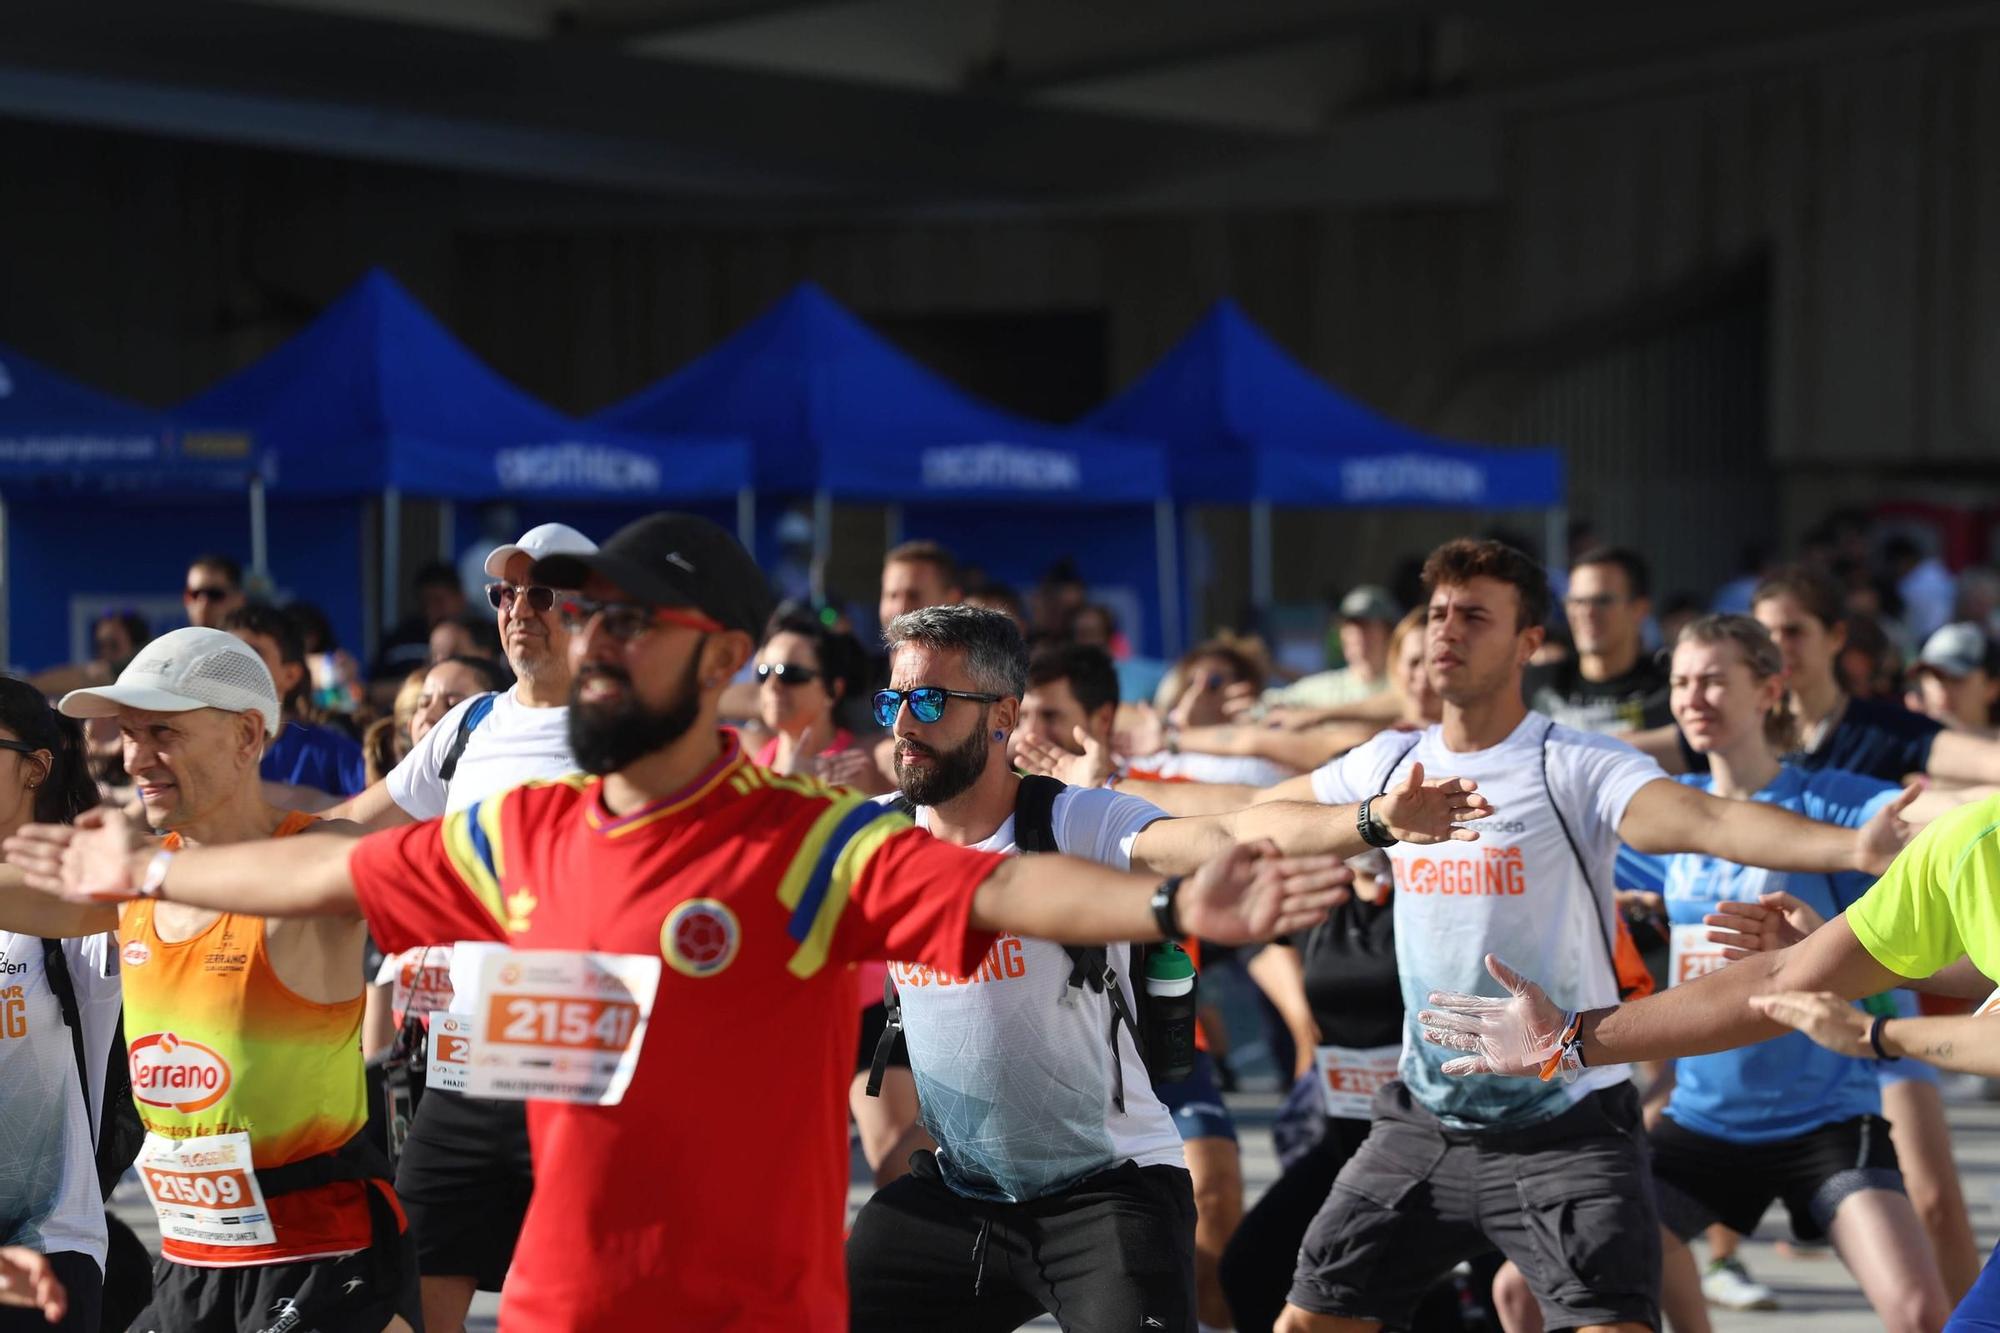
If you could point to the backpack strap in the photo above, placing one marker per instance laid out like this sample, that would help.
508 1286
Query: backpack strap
1035 814
55 966
474 715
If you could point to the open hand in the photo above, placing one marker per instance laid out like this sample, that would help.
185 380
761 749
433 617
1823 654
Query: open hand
1092 768
1821 1015
1145 734
28 1280
1251 893
853 767
1516 1034
1775 921
1421 812
1878 842
86 862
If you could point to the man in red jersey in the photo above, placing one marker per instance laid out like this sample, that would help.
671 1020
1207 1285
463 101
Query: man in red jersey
728 897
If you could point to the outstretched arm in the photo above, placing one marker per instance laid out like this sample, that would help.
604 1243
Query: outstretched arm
1414 811
94 863
26 912
1249 893
373 809
1962 1042
1712 1013
1666 816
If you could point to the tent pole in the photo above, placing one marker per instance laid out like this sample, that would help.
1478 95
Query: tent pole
1260 560
746 520
1556 538
1170 578
260 541
822 542
447 531
392 553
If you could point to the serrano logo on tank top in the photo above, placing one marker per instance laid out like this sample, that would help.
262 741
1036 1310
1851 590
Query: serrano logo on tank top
136 954
177 1074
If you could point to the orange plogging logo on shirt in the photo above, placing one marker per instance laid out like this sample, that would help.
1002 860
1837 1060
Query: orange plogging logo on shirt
179 1075
1494 872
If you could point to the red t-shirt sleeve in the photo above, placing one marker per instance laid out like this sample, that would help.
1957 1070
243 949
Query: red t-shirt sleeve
912 900
430 883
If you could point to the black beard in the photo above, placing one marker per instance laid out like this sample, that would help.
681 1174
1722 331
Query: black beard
604 738
951 773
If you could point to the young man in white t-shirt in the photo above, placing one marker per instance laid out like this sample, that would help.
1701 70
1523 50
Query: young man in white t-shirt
1059 1182
465 1175
1554 1174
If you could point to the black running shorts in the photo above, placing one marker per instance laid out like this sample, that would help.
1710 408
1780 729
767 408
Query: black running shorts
1701 1180
464 1179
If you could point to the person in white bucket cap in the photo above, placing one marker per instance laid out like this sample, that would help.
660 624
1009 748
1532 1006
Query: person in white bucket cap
464 1173
243 1034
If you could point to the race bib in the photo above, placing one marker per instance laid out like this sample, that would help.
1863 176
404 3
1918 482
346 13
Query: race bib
553 1025
1349 1076
205 1191
421 982
448 1052
1692 954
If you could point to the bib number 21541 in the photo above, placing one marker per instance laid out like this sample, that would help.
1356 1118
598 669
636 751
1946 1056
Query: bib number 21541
560 1026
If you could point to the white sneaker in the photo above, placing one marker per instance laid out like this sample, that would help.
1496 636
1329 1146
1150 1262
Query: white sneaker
1728 1283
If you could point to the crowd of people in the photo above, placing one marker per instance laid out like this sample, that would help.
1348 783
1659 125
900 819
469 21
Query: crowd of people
564 951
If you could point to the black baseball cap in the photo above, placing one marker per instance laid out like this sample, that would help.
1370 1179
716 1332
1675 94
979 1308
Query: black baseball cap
673 560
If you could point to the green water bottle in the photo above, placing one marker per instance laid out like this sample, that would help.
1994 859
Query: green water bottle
1169 1026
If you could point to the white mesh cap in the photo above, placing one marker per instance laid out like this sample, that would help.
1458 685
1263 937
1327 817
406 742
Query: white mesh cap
543 540
187 669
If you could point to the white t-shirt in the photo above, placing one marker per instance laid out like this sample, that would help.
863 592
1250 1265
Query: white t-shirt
49 1199
1013 1064
513 745
1518 892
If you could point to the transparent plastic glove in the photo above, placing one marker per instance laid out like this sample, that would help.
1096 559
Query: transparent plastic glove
1521 1035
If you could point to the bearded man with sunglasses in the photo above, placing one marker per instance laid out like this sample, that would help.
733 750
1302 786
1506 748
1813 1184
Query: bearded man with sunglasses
1060 1182
465 1173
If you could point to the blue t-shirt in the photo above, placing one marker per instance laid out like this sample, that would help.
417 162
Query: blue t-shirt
306 755
1784 1087
1877 740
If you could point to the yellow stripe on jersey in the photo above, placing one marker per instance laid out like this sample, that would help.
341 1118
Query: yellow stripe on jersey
853 859
472 845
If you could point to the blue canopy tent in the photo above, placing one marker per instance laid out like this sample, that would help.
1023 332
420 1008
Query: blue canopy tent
66 453
833 410
1246 424
376 397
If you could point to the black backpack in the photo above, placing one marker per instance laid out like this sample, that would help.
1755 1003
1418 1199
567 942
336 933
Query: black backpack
119 1134
1090 964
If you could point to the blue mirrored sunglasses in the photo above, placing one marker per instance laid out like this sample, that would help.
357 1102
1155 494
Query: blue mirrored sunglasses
926 702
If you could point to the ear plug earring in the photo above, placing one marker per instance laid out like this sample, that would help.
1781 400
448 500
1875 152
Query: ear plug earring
999 735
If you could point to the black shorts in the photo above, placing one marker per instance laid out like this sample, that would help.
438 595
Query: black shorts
465 1179
1569 1200
1700 1179
1115 1251
358 1293
873 1020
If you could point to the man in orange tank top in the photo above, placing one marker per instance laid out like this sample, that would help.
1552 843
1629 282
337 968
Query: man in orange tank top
275 1211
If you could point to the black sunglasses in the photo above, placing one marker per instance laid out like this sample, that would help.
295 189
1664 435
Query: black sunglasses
926 702
22 747
785 673
209 593
538 597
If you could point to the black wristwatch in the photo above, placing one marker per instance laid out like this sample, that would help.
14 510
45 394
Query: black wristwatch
1373 831
1163 908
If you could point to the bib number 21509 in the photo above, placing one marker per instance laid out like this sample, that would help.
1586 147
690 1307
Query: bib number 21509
559 1026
